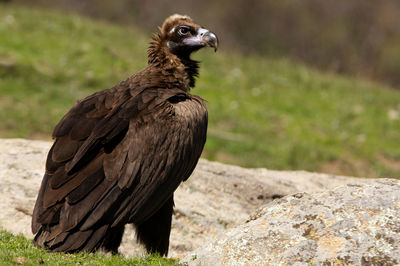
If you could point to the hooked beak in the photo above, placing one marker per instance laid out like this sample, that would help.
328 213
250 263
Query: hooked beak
203 38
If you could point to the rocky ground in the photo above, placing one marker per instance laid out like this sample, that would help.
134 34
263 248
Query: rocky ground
349 225
230 215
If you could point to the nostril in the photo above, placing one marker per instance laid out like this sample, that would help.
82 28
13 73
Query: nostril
202 32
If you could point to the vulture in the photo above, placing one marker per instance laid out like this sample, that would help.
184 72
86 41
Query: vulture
119 154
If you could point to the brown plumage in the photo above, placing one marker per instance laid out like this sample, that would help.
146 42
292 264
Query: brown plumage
119 154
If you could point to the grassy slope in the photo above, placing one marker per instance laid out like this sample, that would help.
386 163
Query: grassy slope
263 113
16 250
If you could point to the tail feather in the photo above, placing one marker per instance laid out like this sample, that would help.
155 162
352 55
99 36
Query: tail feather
71 241
96 240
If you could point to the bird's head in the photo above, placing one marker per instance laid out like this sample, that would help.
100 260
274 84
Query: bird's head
178 37
182 36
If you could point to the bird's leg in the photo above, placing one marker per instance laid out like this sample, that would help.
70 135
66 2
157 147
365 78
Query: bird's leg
154 232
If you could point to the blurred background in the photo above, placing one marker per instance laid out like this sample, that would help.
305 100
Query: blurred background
297 84
358 37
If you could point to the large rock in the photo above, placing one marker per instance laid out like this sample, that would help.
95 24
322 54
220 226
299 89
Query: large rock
216 197
349 225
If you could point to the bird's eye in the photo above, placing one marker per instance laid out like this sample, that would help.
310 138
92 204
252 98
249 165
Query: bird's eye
183 30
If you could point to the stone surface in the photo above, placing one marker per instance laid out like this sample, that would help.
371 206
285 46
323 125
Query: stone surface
354 224
216 198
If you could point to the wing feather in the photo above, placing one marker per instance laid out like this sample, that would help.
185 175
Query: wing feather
82 128
85 187
52 166
103 208
59 178
64 149
52 196
74 214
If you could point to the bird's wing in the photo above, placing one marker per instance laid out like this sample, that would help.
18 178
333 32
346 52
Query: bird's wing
75 161
118 155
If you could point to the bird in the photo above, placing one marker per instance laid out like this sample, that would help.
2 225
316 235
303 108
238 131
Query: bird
119 154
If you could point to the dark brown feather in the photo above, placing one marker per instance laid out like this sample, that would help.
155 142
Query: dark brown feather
64 149
85 187
74 214
82 128
59 238
59 178
74 241
96 238
52 196
103 208
50 215
52 166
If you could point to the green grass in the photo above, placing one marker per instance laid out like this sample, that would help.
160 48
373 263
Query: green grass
15 250
263 112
